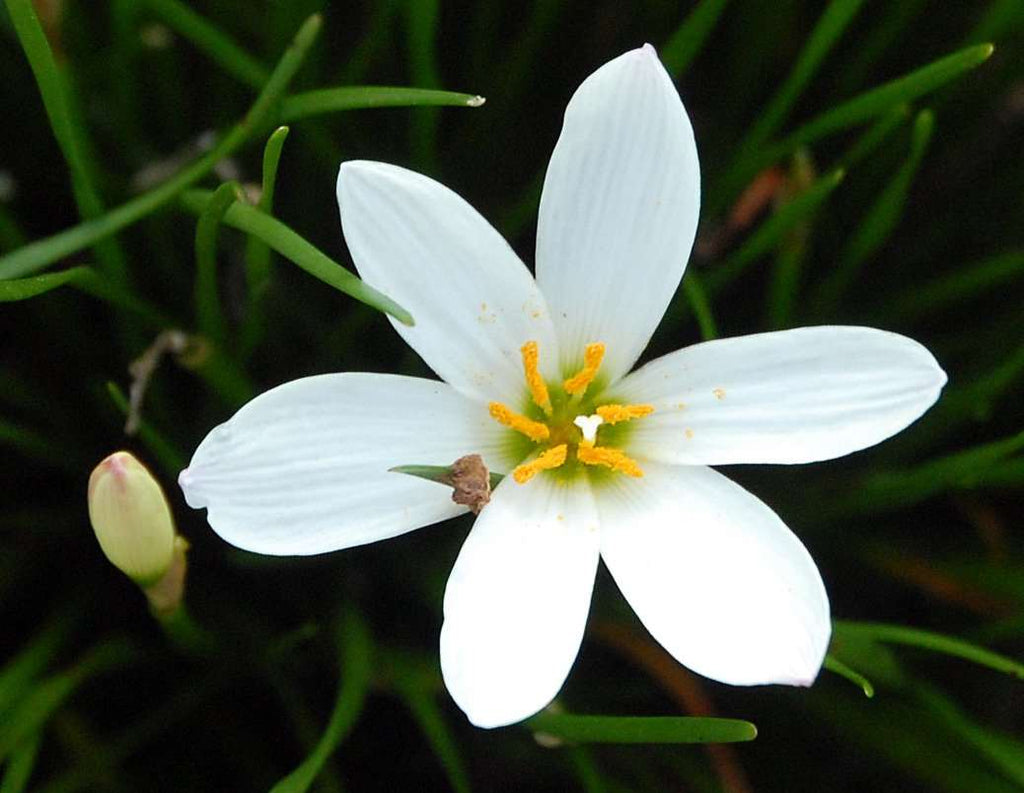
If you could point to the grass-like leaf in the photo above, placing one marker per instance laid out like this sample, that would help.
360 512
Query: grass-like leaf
927 640
209 317
442 474
296 249
878 223
686 43
209 39
833 664
641 729
42 253
361 97
20 764
170 459
770 231
356 669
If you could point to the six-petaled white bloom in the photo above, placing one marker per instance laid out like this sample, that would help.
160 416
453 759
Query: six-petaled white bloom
602 463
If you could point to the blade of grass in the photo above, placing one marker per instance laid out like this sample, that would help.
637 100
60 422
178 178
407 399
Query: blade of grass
954 288
873 137
697 298
37 446
356 670
855 111
927 640
791 253
418 696
361 97
209 39
770 231
297 250
35 710
421 24
833 664
899 488
20 765
640 729
23 667
37 255
67 129
163 451
1002 751
86 280
257 252
890 25
830 26
688 40
209 317
878 223
442 474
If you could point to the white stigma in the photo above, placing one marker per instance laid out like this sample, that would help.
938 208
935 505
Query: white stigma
588 426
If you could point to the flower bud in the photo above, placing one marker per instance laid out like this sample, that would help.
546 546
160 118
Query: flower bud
131 518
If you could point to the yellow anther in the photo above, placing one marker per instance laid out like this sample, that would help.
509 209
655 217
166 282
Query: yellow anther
592 357
533 430
613 414
538 388
610 458
552 458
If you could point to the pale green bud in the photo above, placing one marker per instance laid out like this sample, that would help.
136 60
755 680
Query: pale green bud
131 518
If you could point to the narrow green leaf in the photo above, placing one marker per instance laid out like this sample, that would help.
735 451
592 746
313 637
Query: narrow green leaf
67 128
257 252
770 231
586 770
927 640
791 253
209 39
879 100
693 289
86 280
438 473
257 257
420 700
421 27
20 765
35 710
36 446
830 26
31 661
833 664
956 287
688 40
1003 752
641 729
888 27
294 248
209 316
164 452
873 137
878 222
902 487
37 255
356 672
359 97
852 112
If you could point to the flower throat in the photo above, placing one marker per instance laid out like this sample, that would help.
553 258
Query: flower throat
566 429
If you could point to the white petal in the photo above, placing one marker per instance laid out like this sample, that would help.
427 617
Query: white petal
715 576
619 210
303 468
517 600
794 396
474 302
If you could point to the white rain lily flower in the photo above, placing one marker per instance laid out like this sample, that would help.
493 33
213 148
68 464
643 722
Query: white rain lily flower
602 463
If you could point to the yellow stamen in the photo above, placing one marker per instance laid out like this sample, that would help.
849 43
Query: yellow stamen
613 414
592 357
538 389
610 458
552 458
533 430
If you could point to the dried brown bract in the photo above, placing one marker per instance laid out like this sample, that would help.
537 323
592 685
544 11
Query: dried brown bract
471 482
